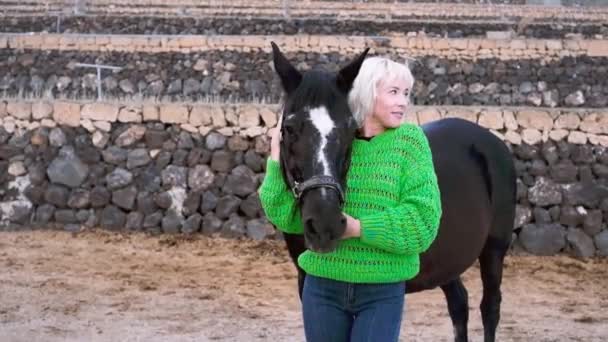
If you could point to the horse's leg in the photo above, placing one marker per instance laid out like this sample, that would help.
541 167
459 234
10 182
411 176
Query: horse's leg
491 264
295 247
458 307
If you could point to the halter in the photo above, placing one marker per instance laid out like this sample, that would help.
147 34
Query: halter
299 188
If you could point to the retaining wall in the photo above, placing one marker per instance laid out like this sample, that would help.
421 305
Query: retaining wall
195 168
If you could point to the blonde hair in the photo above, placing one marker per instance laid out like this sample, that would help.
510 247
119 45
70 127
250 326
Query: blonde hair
362 96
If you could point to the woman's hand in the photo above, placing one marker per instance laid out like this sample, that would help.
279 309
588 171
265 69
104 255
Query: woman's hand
275 140
353 227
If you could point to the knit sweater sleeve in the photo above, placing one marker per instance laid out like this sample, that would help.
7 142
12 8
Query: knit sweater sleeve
411 226
278 202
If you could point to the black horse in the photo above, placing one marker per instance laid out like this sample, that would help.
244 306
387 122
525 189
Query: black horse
476 178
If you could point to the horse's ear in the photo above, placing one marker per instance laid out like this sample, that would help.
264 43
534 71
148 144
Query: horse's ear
346 76
290 77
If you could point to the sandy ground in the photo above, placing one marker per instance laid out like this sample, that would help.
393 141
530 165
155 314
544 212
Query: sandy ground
101 286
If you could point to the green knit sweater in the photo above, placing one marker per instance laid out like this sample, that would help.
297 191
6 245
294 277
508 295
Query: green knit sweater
392 189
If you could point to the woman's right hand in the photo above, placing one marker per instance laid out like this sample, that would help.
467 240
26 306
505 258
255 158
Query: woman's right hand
275 140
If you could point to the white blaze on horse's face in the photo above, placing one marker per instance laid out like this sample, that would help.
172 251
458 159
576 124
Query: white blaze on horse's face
324 124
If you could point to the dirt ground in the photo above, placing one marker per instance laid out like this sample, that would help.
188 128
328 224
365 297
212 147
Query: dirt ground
102 286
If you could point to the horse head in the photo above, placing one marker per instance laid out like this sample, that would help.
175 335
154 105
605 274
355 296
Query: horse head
317 131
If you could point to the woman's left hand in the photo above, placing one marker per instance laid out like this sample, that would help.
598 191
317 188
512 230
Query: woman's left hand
353 227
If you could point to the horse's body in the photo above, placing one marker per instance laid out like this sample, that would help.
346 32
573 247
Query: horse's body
477 181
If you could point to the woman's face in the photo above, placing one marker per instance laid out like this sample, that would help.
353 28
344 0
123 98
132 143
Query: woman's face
392 99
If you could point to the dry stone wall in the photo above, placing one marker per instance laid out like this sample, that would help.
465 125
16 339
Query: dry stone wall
502 48
195 168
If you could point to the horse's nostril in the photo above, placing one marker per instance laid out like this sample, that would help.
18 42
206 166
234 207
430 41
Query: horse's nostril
310 227
343 220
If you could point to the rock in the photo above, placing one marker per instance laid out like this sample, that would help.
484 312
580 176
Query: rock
174 176
260 229
538 168
127 86
523 215
16 169
543 239
150 113
57 195
601 243
241 182
112 218
57 138
149 179
40 137
234 227
130 114
155 138
192 224
175 87
587 194
248 116
67 169
541 215
44 214
114 155
171 223
100 139
152 220
575 99
146 203
79 199
222 161
37 173
99 197
185 141
572 217
179 158
65 216
251 206
564 172
130 136
82 216
119 178
226 206
215 141
18 213
125 198
211 224
35 194
191 86
592 223
551 98
41 110
582 245
254 161
99 111
138 157
19 110
208 202
163 200
200 115
134 221
544 193
174 113
200 178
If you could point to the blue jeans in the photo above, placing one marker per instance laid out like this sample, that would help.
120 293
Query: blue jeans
337 311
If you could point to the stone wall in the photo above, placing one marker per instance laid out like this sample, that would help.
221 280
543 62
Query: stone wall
311 26
221 76
414 46
195 168
336 9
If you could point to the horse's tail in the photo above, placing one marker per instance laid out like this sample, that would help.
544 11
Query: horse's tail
501 179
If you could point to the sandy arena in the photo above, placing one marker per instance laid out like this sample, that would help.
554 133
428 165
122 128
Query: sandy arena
103 286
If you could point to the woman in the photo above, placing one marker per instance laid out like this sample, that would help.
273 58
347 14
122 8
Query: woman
393 209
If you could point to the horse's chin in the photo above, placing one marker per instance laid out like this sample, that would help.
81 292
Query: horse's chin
326 248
